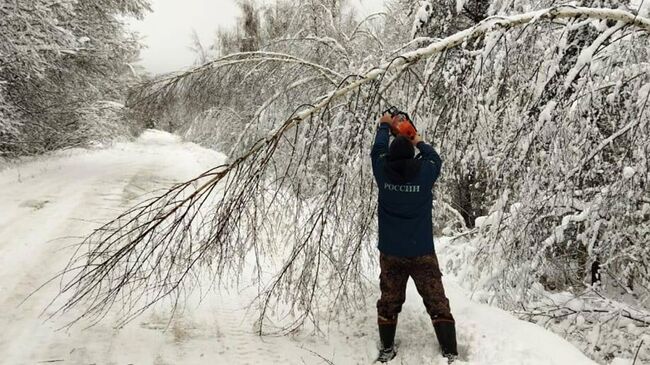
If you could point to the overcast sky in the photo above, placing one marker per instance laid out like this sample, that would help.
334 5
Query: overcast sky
166 31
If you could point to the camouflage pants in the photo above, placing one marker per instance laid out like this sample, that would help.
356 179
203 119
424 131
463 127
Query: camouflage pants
426 274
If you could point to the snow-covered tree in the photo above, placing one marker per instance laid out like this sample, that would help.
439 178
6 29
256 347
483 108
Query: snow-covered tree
59 57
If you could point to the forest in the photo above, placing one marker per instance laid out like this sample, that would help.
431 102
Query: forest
539 109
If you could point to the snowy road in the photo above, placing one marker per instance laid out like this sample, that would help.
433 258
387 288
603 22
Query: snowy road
46 202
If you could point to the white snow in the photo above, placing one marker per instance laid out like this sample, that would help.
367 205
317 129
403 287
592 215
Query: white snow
516 207
46 201
459 5
642 6
547 112
628 172
480 221
422 15
485 221
644 92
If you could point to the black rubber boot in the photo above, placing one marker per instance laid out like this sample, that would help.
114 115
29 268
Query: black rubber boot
387 336
446 334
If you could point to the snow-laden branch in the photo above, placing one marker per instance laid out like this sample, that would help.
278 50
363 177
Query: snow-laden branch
264 107
258 56
327 41
564 11
363 21
587 54
633 123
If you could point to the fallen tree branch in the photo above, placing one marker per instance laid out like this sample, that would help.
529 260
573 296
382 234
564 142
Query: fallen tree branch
454 40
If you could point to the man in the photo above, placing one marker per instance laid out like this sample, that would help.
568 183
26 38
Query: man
406 236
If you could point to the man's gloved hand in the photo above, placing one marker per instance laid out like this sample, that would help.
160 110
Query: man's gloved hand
417 139
386 118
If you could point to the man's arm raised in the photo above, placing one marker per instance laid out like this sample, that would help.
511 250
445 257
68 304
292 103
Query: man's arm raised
430 155
380 147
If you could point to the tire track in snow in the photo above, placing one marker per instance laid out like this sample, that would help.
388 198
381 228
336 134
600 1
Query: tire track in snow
89 185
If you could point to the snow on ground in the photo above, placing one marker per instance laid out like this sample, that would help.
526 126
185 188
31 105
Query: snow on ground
45 204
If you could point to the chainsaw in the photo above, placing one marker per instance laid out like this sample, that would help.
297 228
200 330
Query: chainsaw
401 124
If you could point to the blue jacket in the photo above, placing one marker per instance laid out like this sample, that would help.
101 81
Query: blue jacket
404 211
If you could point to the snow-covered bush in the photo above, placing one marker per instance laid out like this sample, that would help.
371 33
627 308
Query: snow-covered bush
9 123
103 121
